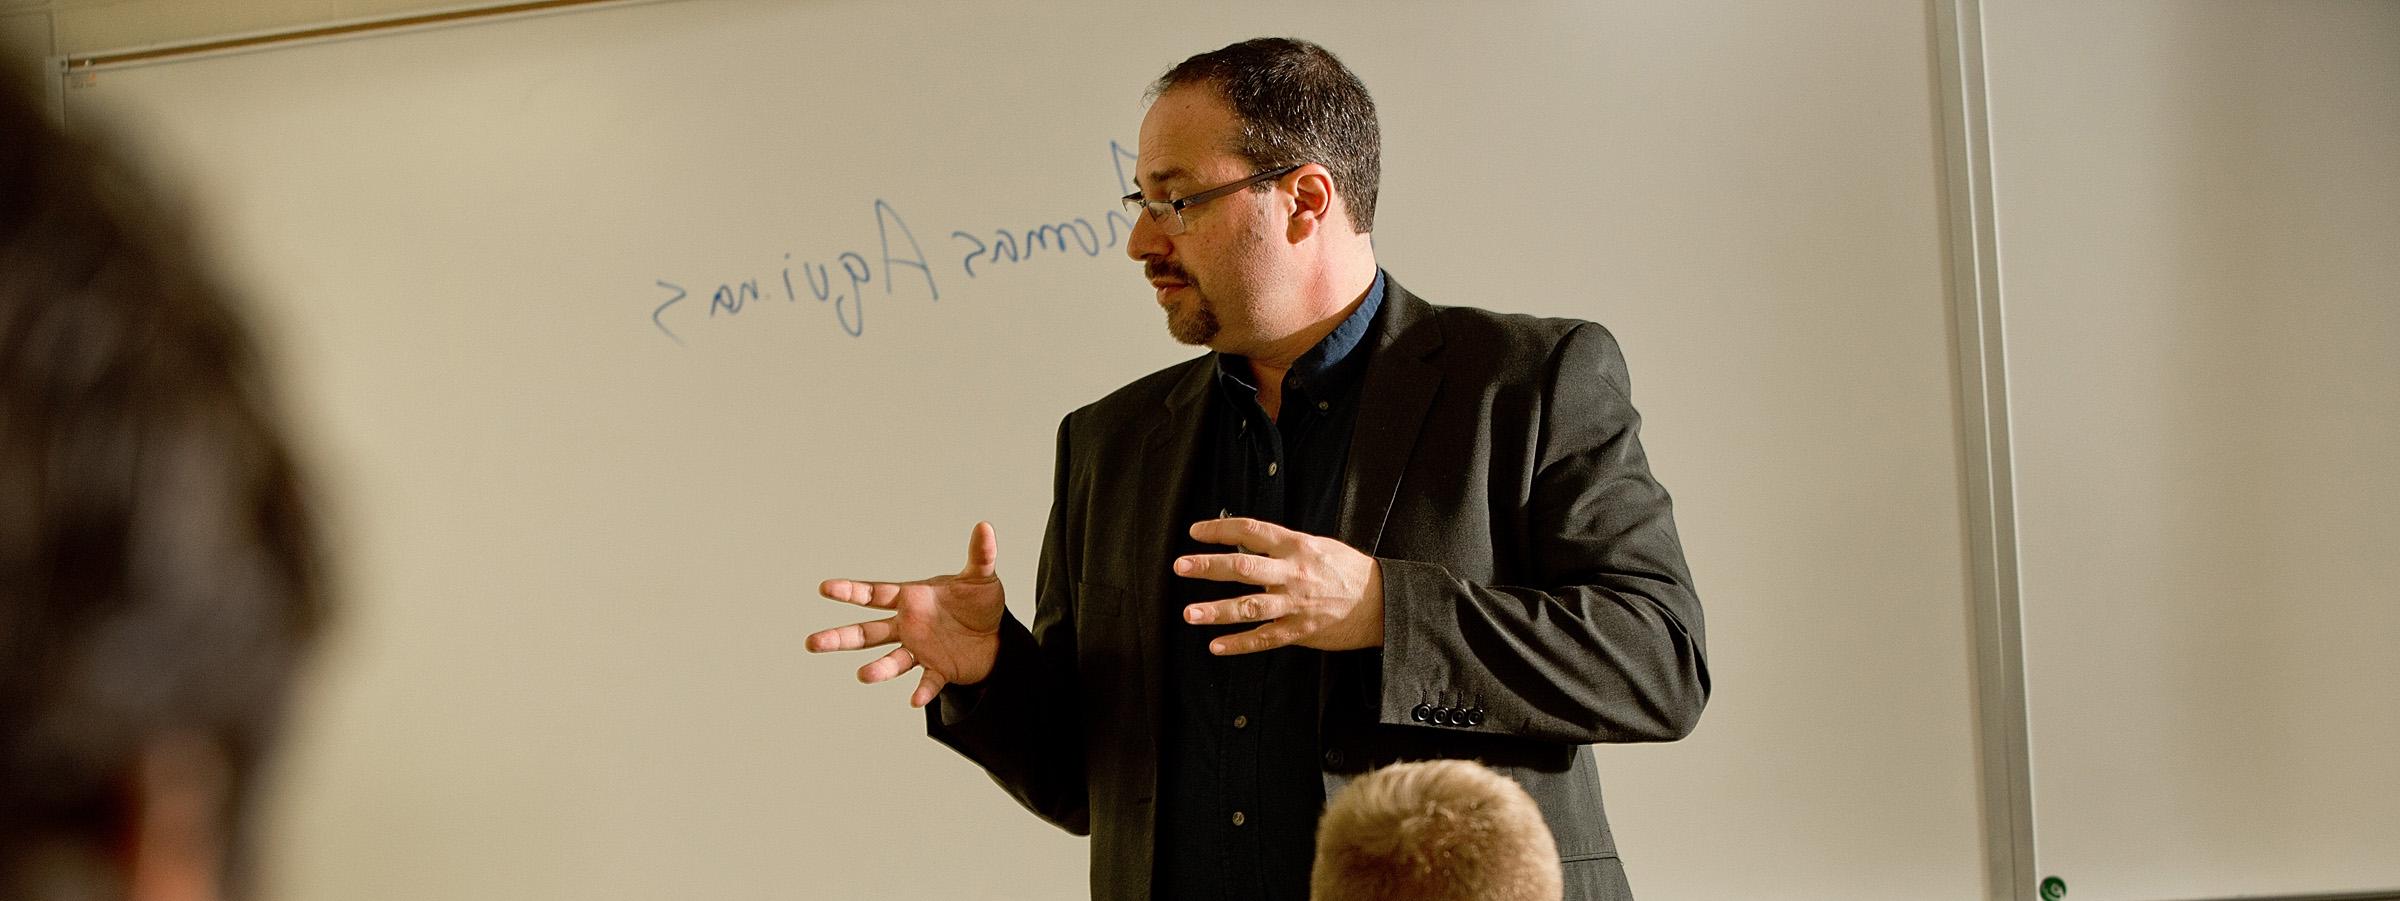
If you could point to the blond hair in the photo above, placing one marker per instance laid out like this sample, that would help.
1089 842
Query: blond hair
1440 830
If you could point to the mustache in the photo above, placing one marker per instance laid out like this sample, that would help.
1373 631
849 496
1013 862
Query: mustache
1155 269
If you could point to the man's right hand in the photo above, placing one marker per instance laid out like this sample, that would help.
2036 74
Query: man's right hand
950 625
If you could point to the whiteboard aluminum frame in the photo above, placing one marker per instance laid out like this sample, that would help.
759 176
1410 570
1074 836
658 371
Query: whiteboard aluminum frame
1979 323
337 30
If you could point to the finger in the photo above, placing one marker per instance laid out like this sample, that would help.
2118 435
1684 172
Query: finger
1246 609
983 553
1257 536
864 594
855 636
1267 637
883 668
1250 568
928 686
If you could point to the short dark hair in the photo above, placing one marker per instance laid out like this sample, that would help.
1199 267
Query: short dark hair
1297 104
159 573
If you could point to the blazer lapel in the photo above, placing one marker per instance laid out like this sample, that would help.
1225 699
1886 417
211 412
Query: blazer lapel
1151 496
1398 391
1393 401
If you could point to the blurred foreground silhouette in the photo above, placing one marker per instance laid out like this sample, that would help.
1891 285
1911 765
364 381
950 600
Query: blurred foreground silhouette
159 575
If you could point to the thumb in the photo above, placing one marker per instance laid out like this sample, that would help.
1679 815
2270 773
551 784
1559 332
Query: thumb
983 553
928 686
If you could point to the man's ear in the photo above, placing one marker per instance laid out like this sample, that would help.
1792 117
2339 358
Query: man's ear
1315 202
176 847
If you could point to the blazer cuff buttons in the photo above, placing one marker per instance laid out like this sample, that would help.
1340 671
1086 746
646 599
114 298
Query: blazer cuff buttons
1467 717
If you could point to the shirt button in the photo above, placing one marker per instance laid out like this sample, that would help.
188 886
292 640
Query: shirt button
1324 405
1333 760
1270 469
1238 819
1240 722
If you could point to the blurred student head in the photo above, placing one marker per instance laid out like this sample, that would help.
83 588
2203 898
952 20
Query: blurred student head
158 572
1438 830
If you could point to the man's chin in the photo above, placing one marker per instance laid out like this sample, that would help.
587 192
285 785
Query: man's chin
1196 328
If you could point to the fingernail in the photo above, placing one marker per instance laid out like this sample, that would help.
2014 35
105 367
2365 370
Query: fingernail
1193 614
1216 647
1183 565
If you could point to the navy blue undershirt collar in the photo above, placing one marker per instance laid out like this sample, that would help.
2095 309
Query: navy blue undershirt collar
1325 367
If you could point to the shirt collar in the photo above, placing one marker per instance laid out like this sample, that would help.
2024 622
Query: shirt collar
1332 362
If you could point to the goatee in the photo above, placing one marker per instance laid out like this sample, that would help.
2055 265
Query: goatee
1192 322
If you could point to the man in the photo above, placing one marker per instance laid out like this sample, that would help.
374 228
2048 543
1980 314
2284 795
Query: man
158 573
1434 830
1448 541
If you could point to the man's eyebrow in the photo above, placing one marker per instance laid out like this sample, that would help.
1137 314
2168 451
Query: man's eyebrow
1158 177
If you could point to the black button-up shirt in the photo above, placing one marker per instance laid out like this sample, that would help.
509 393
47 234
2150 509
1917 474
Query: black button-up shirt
1239 783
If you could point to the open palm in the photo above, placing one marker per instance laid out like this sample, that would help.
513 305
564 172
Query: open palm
948 625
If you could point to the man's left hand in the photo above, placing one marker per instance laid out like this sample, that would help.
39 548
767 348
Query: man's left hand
1319 593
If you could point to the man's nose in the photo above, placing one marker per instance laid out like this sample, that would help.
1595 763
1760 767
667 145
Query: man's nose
1148 239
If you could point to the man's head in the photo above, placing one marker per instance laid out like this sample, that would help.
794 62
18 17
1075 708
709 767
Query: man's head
1244 267
1443 830
158 573
1294 103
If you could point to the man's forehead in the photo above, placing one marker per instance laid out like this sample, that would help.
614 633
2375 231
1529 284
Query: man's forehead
1187 135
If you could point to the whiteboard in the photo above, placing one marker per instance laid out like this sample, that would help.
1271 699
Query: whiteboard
612 332
2198 208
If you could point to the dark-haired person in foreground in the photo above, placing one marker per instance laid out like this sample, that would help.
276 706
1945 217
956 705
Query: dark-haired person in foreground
1434 830
1363 529
158 573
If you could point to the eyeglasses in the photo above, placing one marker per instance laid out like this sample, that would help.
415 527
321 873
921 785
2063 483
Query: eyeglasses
1169 213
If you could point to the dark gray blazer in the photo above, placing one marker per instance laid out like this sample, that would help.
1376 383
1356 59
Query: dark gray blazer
1535 594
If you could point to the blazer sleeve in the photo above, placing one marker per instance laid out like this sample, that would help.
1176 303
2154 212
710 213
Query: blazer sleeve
1604 643
1023 723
